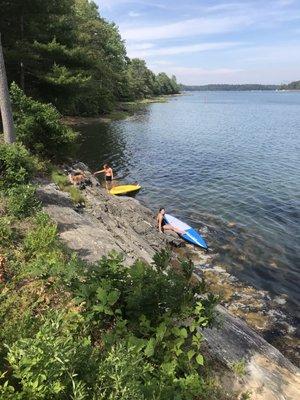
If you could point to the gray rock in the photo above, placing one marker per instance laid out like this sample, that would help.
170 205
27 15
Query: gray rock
108 223
123 224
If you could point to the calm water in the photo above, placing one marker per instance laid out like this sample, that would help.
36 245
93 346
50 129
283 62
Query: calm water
227 163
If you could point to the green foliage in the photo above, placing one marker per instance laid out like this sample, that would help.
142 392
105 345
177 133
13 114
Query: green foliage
21 201
291 86
65 53
39 127
143 83
246 395
100 331
6 230
76 195
48 365
187 268
63 183
226 87
239 367
17 166
60 179
162 259
121 374
42 238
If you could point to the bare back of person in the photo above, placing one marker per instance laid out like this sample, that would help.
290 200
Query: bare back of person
163 226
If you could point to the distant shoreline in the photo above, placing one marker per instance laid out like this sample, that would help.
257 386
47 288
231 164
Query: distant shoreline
229 87
293 86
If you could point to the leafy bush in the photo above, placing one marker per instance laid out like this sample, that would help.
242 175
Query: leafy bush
39 126
6 230
122 374
59 179
17 166
117 332
63 183
48 365
76 195
21 201
43 238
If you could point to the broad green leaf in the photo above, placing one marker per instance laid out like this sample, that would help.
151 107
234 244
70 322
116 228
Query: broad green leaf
191 354
200 359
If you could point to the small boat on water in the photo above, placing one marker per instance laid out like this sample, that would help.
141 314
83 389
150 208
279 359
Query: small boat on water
124 190
190 234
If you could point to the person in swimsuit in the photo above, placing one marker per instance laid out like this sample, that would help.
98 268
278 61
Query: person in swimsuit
109 175
163 226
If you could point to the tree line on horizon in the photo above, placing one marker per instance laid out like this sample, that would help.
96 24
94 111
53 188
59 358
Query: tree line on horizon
240 87
65 53
291 86
229 87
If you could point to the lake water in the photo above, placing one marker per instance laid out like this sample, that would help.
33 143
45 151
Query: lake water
227 163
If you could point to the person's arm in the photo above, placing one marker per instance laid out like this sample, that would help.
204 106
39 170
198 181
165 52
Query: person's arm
112 174
159 219
98 172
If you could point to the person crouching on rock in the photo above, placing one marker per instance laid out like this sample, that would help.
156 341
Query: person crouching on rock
78 178
162 224
109 175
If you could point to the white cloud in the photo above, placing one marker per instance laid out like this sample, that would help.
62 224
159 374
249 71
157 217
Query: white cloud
285 3
109 4
185 28
162 62
134 14
203 76
198 76
135 47
201 72
175 50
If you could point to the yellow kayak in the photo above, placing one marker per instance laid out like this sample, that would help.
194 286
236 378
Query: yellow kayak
124 189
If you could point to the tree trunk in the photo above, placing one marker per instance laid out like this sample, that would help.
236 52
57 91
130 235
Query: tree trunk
5 105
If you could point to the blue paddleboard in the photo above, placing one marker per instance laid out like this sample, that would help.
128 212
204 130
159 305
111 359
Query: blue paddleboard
190 234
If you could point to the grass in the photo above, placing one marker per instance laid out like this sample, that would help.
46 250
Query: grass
62 182
239 368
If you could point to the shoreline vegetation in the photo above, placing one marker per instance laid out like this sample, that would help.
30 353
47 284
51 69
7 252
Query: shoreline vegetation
122 110
84 321
66 54
74 326
241 87
228 87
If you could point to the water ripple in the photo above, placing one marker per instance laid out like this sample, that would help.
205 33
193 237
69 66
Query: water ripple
229 162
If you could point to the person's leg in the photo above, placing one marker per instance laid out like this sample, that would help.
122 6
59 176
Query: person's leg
108 184
169 227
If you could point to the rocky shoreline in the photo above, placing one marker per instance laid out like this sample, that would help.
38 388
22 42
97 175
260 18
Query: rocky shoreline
109 223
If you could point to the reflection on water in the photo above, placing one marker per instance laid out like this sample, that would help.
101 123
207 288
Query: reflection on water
225 162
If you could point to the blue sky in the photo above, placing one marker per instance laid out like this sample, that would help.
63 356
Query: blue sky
213 41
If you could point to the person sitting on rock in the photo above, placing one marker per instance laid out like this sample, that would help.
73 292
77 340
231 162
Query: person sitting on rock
109 175
163 226
78 178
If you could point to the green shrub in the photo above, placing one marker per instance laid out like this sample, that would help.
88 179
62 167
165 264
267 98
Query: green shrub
118 332
21 201
39 126
76 195
43 238
47 365
17 166
63 183
122 374
60 179
6 231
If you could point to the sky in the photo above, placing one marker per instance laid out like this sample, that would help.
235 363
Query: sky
212 41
